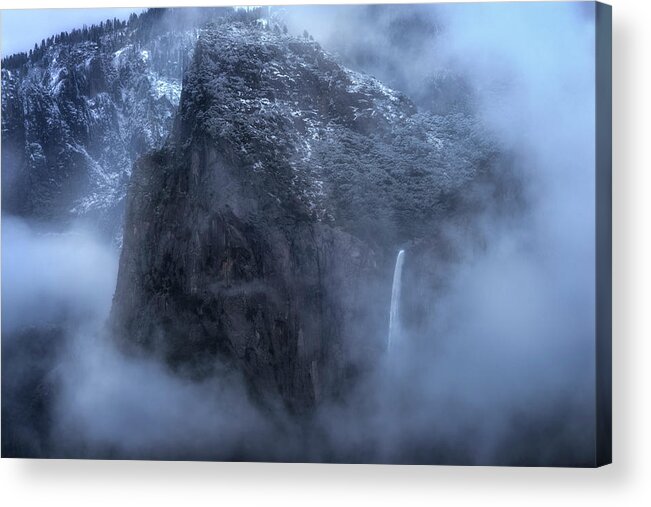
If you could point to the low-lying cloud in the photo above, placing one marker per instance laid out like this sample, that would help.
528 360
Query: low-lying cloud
49 276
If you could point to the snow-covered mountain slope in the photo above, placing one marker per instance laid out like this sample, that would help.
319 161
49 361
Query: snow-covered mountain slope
318 137
78 113
75 119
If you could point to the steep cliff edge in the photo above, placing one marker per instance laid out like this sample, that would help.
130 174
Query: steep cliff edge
259 237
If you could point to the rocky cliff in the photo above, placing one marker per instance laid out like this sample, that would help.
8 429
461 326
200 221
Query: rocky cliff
261 236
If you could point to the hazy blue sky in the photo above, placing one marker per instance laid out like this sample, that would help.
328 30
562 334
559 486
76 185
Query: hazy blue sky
22 28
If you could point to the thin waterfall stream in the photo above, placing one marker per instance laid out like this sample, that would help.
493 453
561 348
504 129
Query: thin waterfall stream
394 314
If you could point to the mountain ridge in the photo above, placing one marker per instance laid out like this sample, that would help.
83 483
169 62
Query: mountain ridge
259 236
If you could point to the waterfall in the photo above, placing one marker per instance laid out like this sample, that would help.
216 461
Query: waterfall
394 315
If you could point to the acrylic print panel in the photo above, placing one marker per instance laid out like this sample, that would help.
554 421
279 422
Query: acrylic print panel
349 234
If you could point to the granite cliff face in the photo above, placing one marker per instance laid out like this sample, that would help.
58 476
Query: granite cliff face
261 236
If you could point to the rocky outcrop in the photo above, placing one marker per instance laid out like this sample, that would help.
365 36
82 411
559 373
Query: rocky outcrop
262 236
206 278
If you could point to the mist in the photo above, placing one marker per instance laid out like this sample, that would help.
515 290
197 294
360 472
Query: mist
69 391
501 368
507 354
49 276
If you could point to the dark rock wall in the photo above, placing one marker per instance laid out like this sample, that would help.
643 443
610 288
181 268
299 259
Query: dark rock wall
204 277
